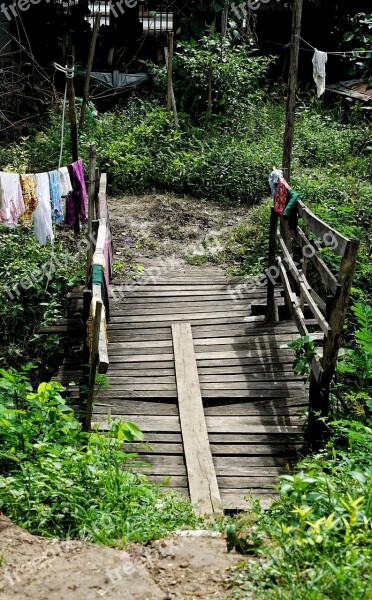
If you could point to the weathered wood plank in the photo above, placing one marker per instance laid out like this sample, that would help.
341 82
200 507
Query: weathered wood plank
203 487
323 231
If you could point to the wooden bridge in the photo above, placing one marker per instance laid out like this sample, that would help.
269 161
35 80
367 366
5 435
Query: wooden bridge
197 362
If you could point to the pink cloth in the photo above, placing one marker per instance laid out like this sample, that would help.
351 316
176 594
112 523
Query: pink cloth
12 205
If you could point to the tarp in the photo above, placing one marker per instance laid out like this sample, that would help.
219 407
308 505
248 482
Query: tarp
117 80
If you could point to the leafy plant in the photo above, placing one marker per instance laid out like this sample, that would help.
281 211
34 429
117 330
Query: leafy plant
304 348
55 480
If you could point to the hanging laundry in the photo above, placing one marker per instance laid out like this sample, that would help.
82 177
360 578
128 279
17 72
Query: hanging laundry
55 197
43 227
77 200
291 208
64 182
319 70
12 204
28 186
281 196
274 179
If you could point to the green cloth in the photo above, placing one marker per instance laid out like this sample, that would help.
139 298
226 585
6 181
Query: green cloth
98 278
291 208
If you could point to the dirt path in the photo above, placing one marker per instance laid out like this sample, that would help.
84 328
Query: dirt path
149 228
34 568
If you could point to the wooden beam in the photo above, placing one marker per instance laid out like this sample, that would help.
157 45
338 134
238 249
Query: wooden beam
292 88
330 237
94 354
204 492
170 71
328 278
92 50
273 234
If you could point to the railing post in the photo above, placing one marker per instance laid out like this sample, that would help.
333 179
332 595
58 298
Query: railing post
91 201
96 326
273 233
319 390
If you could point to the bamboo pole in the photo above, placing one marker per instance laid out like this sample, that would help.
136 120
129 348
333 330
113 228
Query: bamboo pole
93 364
292 88
92 50
174 105
170 70
91 201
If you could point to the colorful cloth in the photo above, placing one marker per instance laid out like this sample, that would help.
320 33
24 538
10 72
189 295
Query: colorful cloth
64 182
319 71
55 197
12 204
76 201
281 196
274 179
98 277
291 208
28 186
43 227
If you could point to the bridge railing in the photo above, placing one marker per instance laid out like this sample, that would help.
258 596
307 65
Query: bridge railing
327 305
96 296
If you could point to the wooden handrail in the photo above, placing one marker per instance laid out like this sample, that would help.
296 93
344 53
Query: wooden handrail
329 313
323 231
98 356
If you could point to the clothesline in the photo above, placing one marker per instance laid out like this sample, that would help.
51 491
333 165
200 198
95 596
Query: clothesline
37 199
341 53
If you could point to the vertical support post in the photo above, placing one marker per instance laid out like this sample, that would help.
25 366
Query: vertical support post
319 390
174 106
91 200
74 131
271 309
292 88
93 365
72 112
92 50
170 70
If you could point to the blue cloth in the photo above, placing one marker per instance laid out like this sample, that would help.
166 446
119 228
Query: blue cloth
55 197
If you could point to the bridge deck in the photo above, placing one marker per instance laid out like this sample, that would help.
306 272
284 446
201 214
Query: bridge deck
253 404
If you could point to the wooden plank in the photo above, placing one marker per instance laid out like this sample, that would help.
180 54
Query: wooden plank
214 424
152 391
305 287
329 280
179 317
203 487
220 449
211 307
323 231
245 466
222 439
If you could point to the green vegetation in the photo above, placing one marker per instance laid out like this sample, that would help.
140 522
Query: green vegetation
56 480
34 281
316 542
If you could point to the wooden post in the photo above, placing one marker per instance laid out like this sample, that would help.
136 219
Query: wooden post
174 106
292 88
72 112
93 365
170 70
319 390
271 309
225 19
92 50
91 201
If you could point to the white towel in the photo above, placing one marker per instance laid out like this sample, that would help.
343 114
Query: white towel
43 227
319 71
64 181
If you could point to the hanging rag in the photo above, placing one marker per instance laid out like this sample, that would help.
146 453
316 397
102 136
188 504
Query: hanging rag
291 208
28 186
43 226
55 197
319 70
76 201
64 182
98 278
281 196
274 179
12 204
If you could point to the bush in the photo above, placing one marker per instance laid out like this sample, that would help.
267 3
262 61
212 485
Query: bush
56 480
27 299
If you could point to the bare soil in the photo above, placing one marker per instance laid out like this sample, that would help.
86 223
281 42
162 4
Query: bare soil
34 568
150 227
